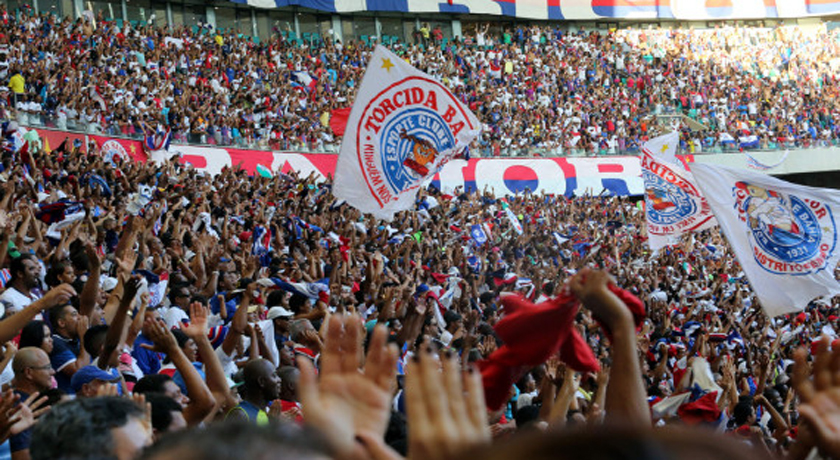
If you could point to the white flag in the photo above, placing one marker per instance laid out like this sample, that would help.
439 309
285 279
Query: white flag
673 204
514 221
784 235
404 126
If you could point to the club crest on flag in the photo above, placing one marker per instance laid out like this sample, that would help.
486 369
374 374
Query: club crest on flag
407 127
665 196
113 151
673 203
788 234
403 127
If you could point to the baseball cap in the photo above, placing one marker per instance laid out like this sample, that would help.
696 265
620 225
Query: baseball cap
13 251
108 283
279 312
88 374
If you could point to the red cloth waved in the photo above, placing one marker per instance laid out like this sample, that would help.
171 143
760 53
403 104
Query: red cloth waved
532 333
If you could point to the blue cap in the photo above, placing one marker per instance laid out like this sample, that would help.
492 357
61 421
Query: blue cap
88 374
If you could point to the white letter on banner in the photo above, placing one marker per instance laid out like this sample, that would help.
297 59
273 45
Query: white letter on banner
296 161
595 174
215 159
452 175
547 173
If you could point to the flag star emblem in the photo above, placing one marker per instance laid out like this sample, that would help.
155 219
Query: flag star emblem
387 64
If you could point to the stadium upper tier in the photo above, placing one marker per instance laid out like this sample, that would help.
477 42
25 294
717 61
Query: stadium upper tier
537 89
689 10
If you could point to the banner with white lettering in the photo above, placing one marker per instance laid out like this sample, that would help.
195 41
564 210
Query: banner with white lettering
404 126
784 234
673 204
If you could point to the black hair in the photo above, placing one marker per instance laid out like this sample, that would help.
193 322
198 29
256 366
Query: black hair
32 335
55 271
56 313
275 298
152 383
742 410
297 301
239 439
17 267
81 428
94 339
54 396
526 416
162 408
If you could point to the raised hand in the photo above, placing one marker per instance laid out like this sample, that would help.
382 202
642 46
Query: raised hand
58 295
28 412
131 287
820 396
92 255
82 325
590 286
345 402
198 321
445 408
162 338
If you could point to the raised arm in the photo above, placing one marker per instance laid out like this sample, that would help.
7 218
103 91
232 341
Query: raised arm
202 401
216 382
117 327
626 400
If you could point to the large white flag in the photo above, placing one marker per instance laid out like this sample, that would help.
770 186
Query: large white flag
673 204
404 126
784 235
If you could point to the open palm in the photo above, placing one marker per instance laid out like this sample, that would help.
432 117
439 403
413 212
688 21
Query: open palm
348 401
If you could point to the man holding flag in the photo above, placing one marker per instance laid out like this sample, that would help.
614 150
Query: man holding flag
404 126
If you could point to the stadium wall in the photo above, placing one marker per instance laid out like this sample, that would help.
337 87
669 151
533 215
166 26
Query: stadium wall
568 176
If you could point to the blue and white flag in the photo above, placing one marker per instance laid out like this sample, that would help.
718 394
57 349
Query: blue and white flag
514 221
262 241
784 234
474 262
478 234
734 340
673 204
310 290
404 126
560 238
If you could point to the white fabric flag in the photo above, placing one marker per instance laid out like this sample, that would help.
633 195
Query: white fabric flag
514 221
673 204
784 235
404 126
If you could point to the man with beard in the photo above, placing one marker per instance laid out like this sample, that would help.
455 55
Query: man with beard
23 286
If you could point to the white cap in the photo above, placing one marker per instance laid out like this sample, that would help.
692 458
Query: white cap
279 312
107 283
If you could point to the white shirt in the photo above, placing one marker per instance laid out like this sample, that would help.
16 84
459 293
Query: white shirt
15 301
174 316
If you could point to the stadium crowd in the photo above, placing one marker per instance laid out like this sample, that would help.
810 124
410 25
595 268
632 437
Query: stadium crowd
537 89
142 299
